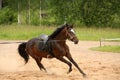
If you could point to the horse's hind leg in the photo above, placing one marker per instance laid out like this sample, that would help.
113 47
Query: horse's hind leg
38 61
65 61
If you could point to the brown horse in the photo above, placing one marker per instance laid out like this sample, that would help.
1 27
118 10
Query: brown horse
54 47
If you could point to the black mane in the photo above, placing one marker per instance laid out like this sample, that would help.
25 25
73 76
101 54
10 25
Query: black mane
56 32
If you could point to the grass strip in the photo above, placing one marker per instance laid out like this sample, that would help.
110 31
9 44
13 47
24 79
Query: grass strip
114 49
25 32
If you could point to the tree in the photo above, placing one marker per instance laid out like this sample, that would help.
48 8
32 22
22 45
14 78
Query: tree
19 15
0 4
29 11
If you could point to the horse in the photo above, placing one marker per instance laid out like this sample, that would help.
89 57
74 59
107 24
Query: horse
53 46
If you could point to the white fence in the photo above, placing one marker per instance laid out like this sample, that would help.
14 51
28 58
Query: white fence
112 39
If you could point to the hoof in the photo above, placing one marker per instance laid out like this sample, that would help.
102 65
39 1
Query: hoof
69 71
84 75
49 56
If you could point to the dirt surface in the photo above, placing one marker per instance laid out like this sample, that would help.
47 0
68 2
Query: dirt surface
97 65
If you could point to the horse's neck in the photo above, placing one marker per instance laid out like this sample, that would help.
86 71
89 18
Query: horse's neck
60 40
60 36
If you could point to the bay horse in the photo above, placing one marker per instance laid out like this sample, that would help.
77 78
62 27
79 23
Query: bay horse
54 47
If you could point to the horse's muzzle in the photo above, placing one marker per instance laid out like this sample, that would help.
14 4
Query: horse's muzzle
76 41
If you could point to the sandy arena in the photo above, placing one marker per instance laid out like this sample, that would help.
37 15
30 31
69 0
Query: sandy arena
97 65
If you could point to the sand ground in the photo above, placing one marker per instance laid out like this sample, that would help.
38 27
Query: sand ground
97 65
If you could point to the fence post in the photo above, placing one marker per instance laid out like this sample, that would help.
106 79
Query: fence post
101 42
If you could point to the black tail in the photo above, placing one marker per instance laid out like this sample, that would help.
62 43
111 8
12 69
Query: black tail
22 52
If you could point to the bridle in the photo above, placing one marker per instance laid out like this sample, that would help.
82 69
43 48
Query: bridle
70 34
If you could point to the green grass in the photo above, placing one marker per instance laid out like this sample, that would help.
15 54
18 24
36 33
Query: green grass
25 32
97 33
115 49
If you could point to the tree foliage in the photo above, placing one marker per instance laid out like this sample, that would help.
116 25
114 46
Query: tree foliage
7 16
99 12
79 12
89 12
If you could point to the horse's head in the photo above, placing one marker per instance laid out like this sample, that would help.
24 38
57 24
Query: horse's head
70 34
64 32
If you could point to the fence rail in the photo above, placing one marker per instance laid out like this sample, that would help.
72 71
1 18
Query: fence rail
112 39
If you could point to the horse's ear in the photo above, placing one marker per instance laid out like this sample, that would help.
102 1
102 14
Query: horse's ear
71 26
66 24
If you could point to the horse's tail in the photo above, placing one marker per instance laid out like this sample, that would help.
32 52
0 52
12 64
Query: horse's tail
22 52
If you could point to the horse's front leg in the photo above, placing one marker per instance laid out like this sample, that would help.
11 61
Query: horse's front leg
67 62
75 64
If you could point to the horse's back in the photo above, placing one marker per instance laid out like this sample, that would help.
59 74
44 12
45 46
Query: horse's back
32 41
38 43
32 47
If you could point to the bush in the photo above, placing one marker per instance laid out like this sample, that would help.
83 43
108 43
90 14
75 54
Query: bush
7 16
35 21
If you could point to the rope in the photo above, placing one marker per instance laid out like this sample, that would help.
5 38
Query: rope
22 42
9 42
